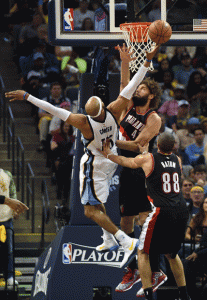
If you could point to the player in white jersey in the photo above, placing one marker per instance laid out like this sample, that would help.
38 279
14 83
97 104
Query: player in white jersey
94 203
95 189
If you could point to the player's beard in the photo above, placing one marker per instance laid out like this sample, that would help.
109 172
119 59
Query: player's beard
139 101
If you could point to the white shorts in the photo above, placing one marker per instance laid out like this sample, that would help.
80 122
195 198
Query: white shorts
95 175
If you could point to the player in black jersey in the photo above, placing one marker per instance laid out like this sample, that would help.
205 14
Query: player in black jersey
164 229
139 123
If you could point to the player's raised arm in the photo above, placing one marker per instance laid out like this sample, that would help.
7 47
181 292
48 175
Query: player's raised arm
76 120
117 106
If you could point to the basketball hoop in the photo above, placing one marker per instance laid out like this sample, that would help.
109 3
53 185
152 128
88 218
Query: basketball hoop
136 36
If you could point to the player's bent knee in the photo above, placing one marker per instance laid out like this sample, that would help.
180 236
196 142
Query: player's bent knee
88 212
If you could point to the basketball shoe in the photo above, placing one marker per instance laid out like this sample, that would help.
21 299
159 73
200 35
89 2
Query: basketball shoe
130 250
129 279
158 278
109 244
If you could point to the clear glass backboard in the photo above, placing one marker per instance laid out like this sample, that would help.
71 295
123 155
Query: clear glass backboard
188 19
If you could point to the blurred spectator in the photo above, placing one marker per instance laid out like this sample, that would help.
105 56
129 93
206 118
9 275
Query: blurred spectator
72 66
43 9
42 32
20 12
55 122
81 13
195 264
56 98
41 61
200 176
87 25
164 65
175 51
202 62
167 86
62 152
195 151
186 136
164 128
62 51
197 197
8 189
179 92
187 171
32 85
195 92
155 13
183 71
182 115
187 185
176 58
170 110
28 36
204 127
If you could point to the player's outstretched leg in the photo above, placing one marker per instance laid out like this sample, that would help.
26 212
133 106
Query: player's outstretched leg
109 242
129 245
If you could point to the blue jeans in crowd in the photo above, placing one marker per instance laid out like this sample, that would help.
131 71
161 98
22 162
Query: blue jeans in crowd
9 239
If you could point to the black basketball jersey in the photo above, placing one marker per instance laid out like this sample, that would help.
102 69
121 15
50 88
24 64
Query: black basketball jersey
131 126
164 181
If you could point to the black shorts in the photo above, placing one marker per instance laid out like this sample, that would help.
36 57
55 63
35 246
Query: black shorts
164 230
132 192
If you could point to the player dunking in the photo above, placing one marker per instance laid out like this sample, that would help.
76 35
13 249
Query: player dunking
99 124
164 229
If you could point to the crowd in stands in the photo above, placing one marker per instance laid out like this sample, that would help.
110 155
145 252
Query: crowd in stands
52 72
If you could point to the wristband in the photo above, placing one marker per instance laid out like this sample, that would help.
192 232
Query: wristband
148 60
24 96
2 199
109 154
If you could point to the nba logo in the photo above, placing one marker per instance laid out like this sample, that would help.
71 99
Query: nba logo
67 253
68 24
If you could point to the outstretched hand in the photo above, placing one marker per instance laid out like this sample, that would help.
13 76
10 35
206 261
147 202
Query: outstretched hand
152 53
125 53
15 95
17 206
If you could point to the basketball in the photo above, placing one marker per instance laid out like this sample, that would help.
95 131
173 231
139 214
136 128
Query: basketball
160 32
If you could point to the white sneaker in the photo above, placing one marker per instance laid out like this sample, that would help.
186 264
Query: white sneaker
130 251
10 281
108 245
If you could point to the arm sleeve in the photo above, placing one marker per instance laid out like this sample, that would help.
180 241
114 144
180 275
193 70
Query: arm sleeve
56 111
129 90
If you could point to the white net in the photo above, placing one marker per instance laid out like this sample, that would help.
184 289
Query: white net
136 36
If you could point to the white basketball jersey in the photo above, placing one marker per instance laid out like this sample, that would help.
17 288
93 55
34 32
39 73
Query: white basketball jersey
108 129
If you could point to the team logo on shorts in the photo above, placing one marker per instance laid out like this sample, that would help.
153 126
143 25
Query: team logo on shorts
67 253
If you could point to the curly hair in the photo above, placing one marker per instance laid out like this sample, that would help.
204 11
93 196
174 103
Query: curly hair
155 89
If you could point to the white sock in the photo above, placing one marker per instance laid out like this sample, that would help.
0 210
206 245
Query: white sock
107 235
122 237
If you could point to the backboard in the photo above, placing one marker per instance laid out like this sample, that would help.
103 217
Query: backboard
188 19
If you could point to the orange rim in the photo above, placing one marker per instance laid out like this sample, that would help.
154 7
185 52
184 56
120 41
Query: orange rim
137 31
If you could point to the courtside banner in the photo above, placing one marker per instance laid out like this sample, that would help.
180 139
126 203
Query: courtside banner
68 24
80 254
70 267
